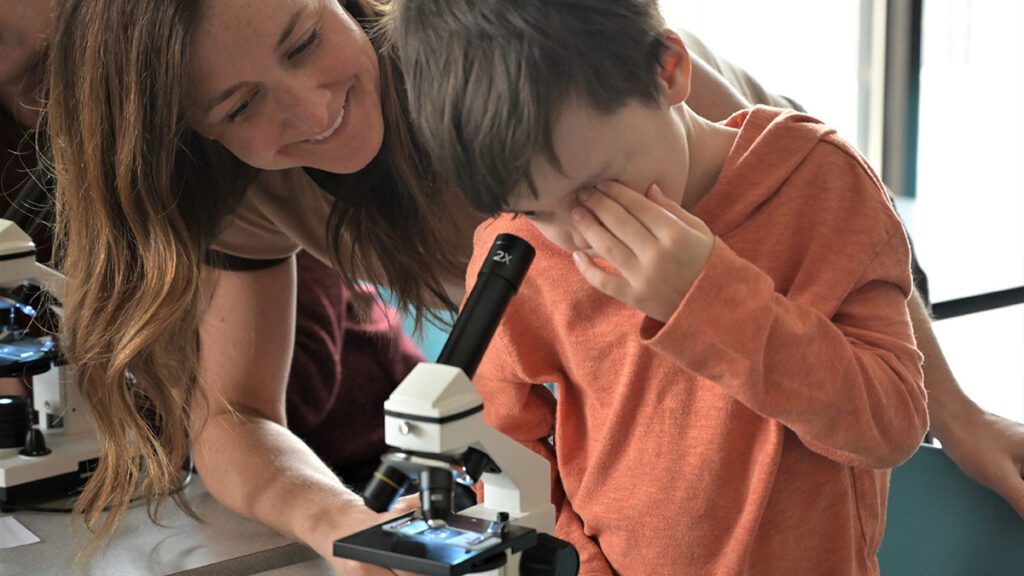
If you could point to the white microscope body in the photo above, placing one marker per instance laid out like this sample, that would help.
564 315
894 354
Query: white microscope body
66 424
434 423
522 488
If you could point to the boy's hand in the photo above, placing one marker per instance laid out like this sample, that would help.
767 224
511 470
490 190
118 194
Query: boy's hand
658 248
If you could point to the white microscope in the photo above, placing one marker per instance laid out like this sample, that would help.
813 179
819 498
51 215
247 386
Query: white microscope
57 455
434 422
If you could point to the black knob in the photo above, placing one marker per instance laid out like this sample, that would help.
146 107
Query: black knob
15 421
35 444
550 557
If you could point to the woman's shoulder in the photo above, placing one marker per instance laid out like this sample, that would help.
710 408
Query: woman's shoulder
283 210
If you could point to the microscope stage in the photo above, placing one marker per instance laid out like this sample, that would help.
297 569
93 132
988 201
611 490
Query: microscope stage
404 544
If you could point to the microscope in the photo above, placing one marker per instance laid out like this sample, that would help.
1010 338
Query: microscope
54 456
434 423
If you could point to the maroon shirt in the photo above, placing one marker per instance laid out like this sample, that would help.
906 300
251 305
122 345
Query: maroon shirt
342 373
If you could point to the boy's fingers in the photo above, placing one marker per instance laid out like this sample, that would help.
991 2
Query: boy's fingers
601 240
655 194
634 203
605 282
617 220
651 212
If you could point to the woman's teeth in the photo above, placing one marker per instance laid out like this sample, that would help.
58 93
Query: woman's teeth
330 130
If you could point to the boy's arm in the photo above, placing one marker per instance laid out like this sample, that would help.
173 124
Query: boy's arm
833 359
988 448
526 412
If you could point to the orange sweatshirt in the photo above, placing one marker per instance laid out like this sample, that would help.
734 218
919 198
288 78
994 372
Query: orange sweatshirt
752 433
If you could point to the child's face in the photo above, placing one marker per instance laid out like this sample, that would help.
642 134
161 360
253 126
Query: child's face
638 145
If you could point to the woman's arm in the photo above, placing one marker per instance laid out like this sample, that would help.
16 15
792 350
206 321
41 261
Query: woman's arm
249 460
711 95
986 447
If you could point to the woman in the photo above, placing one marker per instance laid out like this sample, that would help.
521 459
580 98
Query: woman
161 112
343 367
142 287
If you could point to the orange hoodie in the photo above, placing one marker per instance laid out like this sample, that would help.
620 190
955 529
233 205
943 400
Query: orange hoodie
752 433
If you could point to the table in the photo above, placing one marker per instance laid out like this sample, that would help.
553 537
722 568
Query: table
225 545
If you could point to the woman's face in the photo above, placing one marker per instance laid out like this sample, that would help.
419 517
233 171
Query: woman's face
287 83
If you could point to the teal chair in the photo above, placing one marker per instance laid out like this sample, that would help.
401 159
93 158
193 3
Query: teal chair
941 523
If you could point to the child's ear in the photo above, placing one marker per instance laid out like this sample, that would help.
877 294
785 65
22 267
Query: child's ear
675 68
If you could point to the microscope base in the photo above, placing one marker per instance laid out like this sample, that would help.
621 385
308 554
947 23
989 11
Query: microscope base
383 548
56 475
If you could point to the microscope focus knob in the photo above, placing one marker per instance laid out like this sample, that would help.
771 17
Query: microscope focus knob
35 444
550 557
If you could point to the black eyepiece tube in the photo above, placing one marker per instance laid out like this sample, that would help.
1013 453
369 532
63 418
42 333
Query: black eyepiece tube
500 276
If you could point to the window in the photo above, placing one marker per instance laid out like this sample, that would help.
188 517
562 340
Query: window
807 50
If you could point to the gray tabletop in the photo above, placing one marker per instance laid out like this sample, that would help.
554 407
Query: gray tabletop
225 544
318 567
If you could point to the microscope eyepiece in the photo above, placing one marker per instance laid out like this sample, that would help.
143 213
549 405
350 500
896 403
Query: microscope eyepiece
498 280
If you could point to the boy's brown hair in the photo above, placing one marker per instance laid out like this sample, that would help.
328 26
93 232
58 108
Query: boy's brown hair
487 79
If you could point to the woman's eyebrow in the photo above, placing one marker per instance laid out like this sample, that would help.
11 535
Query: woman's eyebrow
289 27
220 98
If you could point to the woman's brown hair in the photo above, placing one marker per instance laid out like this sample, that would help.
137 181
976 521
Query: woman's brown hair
140 197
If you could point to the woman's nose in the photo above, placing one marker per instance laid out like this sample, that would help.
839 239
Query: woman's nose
304 110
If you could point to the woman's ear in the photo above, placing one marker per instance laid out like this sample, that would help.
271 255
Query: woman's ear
675 68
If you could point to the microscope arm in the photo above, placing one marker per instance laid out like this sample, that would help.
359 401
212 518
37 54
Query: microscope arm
524 484
53 282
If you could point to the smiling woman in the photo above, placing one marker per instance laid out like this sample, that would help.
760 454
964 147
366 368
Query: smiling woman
278 97
179 127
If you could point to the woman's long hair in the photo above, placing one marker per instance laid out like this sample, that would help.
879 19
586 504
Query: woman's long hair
140 196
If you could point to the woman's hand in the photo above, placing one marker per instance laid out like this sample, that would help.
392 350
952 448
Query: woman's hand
658 248
350 567
990 449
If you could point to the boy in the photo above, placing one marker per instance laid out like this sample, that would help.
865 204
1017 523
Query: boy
735 363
